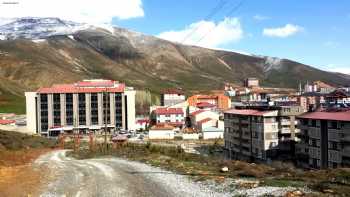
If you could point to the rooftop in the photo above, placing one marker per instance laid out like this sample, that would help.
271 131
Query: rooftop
162 127
4 122
86 86
248 112
205 105
342 115
204 120
168 111
197 112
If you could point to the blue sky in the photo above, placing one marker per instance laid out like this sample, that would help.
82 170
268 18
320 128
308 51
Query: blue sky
322 39
314 32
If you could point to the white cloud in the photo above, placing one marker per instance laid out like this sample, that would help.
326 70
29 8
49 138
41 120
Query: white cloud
207 33
282 32
261 17
94 12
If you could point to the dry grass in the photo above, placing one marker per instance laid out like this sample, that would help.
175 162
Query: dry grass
20 181
17 152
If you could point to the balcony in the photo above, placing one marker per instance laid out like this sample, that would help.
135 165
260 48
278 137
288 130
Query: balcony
345 138
246 152
285 130
246 135
346 151
235 135
334 135
245 121
285 122
314 133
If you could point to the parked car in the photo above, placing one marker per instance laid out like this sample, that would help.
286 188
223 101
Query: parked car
141 137
122 132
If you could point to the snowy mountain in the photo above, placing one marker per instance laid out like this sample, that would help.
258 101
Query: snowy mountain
140 60
37 28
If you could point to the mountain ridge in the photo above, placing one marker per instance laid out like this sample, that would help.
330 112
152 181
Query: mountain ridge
139 60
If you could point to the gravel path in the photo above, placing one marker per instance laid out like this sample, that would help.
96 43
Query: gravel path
114 177
111 177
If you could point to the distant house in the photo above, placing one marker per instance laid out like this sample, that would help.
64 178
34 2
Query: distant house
172 97
142 124
161 132
212 133
170 116
251 82
339 96
7 122
190 134
208 123
200 117
311 100
219 100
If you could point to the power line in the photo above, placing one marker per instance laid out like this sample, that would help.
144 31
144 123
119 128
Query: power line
215 10
234 9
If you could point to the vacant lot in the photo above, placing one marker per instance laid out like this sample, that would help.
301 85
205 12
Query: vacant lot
17 151
326 182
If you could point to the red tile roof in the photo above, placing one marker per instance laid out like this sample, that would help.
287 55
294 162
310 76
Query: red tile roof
249 112
85 87
4 122
102 83
207 97
204 120
323 115
197 112
168 111
142 121
205 104
162 127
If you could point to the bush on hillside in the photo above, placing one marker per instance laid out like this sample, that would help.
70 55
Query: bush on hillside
15 141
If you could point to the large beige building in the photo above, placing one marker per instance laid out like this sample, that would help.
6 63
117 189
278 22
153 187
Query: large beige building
261 133
325 139
83 106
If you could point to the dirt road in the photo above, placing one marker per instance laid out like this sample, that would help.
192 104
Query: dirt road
113 177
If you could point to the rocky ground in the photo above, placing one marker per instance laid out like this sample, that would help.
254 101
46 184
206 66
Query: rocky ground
110 176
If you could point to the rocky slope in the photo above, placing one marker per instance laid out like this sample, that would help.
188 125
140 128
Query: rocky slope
38 52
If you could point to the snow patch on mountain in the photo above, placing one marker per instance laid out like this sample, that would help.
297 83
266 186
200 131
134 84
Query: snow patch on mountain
39 40
38 28
272 63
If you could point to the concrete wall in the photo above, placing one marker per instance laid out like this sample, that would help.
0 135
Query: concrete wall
213 135
130 94
190 136
161 134
31 112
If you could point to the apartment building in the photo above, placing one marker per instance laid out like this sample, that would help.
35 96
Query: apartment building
324 139
171 116
81 107
261 133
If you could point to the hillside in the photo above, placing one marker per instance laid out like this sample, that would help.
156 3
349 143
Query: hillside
30 59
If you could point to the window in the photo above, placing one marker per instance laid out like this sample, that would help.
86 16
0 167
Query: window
334 125
313 123
273 144
334 146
